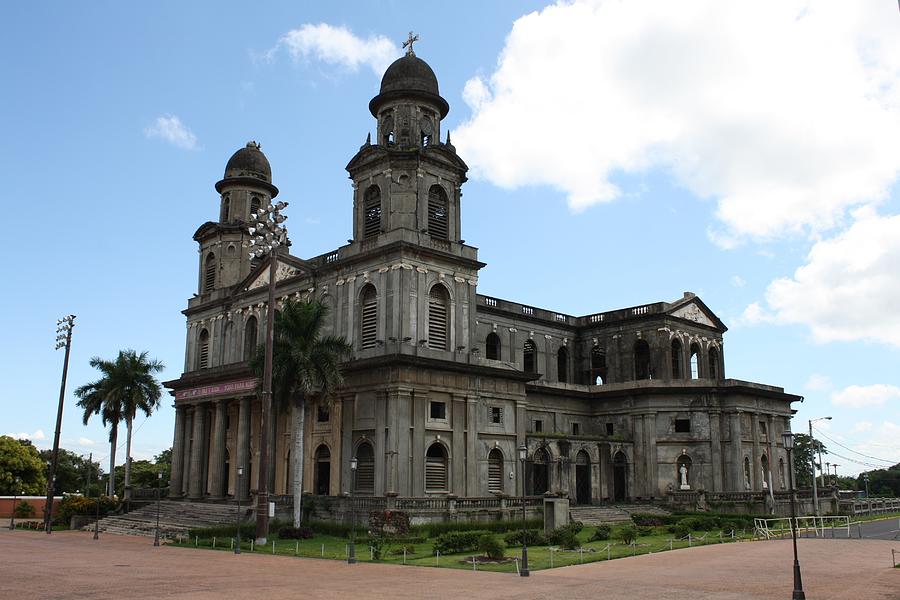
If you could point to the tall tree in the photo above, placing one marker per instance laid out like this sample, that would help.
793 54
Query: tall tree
19 459
805 449
127 385
304 363
72 470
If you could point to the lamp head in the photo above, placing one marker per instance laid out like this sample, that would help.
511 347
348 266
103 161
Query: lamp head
523 452
787 438
354 463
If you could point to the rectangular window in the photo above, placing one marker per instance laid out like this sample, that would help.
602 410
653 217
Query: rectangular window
763 431
496 415
609 429
439 411
576 428
538 425
322 414
682 425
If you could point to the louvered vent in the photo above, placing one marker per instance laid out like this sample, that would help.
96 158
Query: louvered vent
209 276
365 470
204 350
437 318
372 212
437 212
436 469
495 471
369 318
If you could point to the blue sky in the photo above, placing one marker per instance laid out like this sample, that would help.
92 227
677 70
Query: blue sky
620 154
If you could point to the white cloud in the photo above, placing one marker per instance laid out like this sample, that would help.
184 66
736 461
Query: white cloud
818 383
170 129
783 111
848 289
34 437
338 45
861 427
738 281
861 396
85 441
754 314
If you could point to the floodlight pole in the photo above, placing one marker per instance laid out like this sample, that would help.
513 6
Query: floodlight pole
63 339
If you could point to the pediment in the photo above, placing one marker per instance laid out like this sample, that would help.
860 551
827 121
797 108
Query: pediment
283 271
692 311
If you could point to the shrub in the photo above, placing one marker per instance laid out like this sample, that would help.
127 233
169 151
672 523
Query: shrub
398 550
565 537
328 528
490 546
74 504
644 531
23 510
533 537
601 533
700 523
295 533
627 534
645 520
389 522
377 544
680 530
436 529
458 541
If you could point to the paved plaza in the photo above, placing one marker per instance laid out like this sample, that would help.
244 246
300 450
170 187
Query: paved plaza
72 565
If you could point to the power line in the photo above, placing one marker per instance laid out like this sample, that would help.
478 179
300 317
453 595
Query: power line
891 462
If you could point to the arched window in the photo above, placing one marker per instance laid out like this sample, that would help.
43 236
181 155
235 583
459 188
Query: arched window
528 355
365 469
695 361
495 471
713 363
372 212
255 203
209 273
747 478
562 365
437 212
322 484
781 477
438 318
250 335
492 346
540 472
387 131
642 360
683 472
436 468
368 317
677 359
598 366
203 350
226 208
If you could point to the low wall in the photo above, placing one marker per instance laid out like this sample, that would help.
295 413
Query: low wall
753 503
7 504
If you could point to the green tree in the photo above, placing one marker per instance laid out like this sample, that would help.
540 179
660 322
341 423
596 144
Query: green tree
883 483
804 454
127 385
305 364
72 470
20 459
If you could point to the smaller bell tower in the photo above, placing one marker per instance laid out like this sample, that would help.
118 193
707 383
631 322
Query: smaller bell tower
246 186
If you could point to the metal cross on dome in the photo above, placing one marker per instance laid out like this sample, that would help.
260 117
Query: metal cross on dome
408 44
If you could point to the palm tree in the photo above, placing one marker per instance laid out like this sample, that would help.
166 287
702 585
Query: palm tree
303 363
127 385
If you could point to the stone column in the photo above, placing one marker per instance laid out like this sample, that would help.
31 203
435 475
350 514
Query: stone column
195 485
652 458
217 477
639 468
756 459
186 452
773 459
177 453
381 456
242 484
737 460
715 452
460 466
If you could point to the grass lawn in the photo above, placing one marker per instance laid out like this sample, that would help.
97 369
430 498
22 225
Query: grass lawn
422 554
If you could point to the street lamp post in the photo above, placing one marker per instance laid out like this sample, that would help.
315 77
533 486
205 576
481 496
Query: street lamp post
813 441
158 483
523 454
12 515
237 493
63 340
267 235
351 552
788 439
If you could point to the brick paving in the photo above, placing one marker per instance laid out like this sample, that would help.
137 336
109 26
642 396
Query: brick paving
71 565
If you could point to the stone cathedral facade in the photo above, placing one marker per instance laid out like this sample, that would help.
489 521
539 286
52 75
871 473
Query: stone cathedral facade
445 384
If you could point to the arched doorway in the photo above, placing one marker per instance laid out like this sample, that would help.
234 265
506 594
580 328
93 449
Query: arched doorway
620 477
495 471
322 484
582 478
540 474
436 468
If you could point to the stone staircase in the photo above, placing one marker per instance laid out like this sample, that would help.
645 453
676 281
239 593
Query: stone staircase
175 518
609 513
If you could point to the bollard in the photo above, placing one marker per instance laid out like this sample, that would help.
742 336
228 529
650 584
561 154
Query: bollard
689 540
323 550
581 554
475 563
404 555
251 544
297 548
214 542
196 540
607 552
273 546
371 553
633 549
551 557
670 544
437 558
232 544
517 565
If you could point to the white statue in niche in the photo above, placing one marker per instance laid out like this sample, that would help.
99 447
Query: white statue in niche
684 477
765 483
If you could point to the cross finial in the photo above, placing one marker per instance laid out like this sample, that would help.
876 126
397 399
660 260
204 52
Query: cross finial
408 44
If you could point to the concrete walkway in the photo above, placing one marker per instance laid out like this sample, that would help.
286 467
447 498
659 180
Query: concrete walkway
72 565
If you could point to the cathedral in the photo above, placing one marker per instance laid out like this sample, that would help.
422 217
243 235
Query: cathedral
445 386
